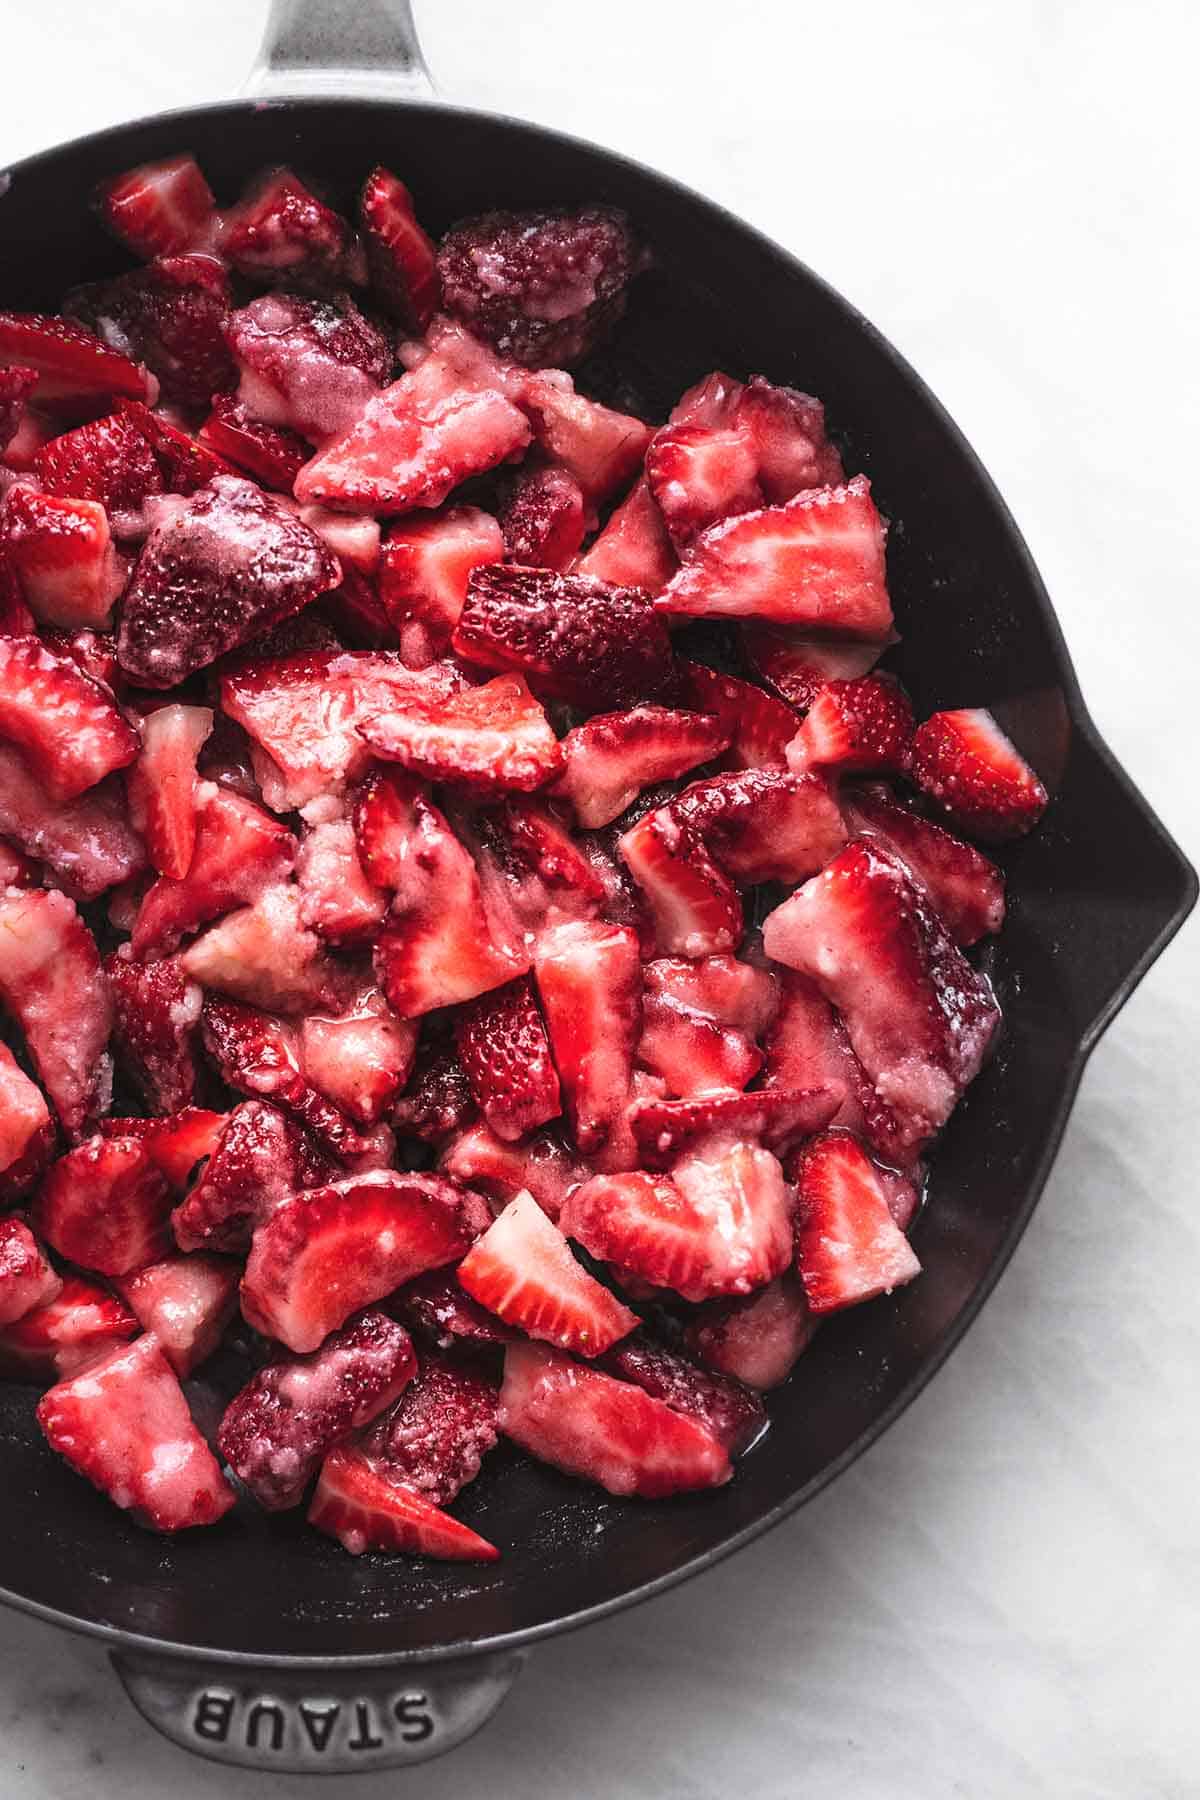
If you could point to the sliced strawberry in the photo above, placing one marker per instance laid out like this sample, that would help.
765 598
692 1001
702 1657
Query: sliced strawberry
758 727
187 465
265 956
438 1097
176 1143
324 1253
270 454
26 1278
816 561
310 366
256 1053
523 1269
16 385
543 1163
633 550
435 1437
72 364
787 429
543 518
700 474
108 460
401 258
775 1117
531 870
758 1340
292 1412
88 842
105 1206
125 1425
34 431
52 982
229 565
171 317
360 1058
610 1432
964 888
856 728
425 565
700 1022
601 448
186 1301
63 556
162 785
796 667
156 1019
728 1411
158 208
495 737
919 1017
436 1309
964 762
695 906
761 824
848 1247
25 1123
240 850
336 899
505 1051
260 1158
806 1046
613 756
69 729
55 1341
589 983
356 1503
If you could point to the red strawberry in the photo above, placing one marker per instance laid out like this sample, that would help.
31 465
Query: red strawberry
976 775
16 385
787 429
606 1431
269 454
856 728
171 317
125 1425
88 842
543 1164
360 1058
601 448
762 825
357 1504
293 1411
265 956
158 208
759 727
505 1051
543 518
25 1123
438 1097
52 983
67 726
229 565
806 1046
531 871
435 1307
310 366
434 1438
109 460
424 568
72 364
797 668
78 1327
186 1301
26 1278
176 1143
63 557
613 756
523 1269
494 737
700 474
589 983
279 230
336 898
700 1020
816 561
260 1158
695 906
162 785
542 287
848 1247
324 1253
774 1117
104 1206
919 1017
759 1339
729 1412
256 1054
239 851
964 888
156 1018
401 258
633 550
187 465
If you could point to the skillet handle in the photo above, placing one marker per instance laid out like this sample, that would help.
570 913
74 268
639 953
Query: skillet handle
354 48
323 1722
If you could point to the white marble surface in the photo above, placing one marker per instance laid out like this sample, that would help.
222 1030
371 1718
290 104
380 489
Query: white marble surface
1002 1597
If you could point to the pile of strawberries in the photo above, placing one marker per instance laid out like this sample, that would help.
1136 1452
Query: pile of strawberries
425 977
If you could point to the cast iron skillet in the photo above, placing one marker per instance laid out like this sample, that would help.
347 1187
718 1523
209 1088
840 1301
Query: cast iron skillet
260 1642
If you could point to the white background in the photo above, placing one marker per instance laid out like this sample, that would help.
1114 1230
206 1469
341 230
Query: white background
1002 1598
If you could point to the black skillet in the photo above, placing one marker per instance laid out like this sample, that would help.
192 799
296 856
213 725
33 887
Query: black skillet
262 1643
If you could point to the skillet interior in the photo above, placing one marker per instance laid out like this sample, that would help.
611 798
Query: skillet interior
1094 894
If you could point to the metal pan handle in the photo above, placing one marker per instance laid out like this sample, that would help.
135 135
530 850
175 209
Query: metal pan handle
351 48
329 1721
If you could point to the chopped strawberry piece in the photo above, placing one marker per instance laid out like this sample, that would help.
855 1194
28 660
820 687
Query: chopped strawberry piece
758 1340
72 364
695 906
438 1097
425 565
435 1307
309 366
158 208
787 429
601 448
26 1278
52 982
186 1301
918 1016
435 1437
281 231
762 825
757 726
543 1163
531 870
336 899
176 1143
187 465
257 1054
522 1268
270 454
610 1432
700 1022
356 1503
260 1158
55 1341
964 762
964 888
806 1046
16 385
589 983
104 1205
856 728
125 1425
63 556
613 756
816 561
775 1116
171 317
495 737
325 1253
227 566
25 1122
797 668
700 474
505 1051
156 1019
361 1058
108 460
265 956
162 785
727 1411
291 1413
543 518
401 258
633 550
66 725
240 850
848 1247
88 842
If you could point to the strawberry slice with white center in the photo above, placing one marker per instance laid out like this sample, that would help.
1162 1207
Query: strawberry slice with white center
495 737
612 756
24 1115
816 561
504 1049
603 1430
239 851
964 888
162 784
757 1340
700 1022
105 1206
156 1026
695 906
279 229
158 208
700 474
856 728
265 956
81 1324
797 667
63 555
356 1503
401 257
325 1253
964 762
533 873
186 1301
16 385
775 1117
52 982
523 1270
26 1278
543 1163
734 1416
425 564
336 898
71 363
633 550
68 727
434 1438
88 842
177 1143
361 1057
601 448
759 727
259 1159
589 983
270 454
256 1053
125 1425
848 1246
308 366
762 824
